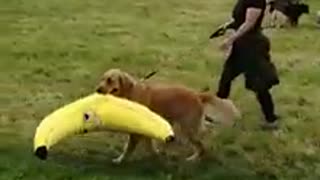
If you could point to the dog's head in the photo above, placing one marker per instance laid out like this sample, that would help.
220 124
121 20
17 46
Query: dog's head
298 9
115 82
304 8
271 4
294 11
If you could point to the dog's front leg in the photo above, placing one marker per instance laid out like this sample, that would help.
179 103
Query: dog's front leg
273 19
152 146
128 148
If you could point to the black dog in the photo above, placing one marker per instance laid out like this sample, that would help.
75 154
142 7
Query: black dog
292 10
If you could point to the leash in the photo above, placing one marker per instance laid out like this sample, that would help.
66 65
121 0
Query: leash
150 74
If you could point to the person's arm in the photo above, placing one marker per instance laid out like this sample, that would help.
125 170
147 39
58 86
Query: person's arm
252 16
254 10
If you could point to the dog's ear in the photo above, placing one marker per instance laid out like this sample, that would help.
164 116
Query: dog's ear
126 82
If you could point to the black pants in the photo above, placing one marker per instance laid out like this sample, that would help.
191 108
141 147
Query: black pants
262 94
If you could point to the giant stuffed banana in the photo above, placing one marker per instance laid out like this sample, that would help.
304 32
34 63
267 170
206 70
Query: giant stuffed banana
97 112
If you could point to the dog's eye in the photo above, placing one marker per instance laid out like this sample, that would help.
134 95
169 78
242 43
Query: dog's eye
114 90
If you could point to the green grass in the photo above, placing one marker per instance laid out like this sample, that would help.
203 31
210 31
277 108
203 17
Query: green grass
52 52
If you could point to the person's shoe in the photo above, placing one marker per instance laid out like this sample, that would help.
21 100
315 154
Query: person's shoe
270 125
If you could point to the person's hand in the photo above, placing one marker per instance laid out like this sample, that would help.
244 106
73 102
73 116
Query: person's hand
226 46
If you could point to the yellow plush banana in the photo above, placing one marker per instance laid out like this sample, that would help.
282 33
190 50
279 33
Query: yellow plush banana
98 112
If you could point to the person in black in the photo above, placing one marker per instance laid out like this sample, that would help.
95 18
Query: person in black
249 53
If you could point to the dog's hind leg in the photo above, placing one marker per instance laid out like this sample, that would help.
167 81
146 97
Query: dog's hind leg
128 148
198 148
193 137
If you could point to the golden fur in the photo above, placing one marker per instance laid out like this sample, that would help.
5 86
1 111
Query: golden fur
184 108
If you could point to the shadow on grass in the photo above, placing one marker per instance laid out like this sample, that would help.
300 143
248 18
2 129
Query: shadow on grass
95 163
160 167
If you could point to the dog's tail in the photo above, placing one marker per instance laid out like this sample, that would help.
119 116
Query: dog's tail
217 109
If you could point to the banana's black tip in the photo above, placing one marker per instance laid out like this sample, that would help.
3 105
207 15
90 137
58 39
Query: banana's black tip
41 152
169 139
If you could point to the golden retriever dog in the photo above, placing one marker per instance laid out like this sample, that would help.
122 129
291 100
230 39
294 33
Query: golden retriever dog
184 108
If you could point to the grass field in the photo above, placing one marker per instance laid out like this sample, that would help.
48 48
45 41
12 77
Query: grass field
52 52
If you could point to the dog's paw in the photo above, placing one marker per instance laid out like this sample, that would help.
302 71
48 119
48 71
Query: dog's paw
193 158
117 160
156 151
